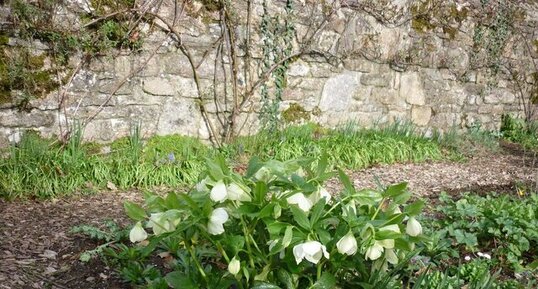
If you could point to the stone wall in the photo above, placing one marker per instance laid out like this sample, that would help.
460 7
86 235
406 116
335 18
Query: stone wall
359 67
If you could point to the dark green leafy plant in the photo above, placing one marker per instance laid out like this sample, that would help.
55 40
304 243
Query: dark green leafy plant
275 226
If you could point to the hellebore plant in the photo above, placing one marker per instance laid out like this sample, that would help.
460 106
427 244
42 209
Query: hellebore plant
277 226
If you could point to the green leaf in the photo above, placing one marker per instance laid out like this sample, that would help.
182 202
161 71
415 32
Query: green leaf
322 164
317 211
300 217
288 235
349 189
285 278
415 208
275 227
172 201
253 166
327 281
533 265
134 211
263 285
402 198
260 191
395 190
178 280
214 170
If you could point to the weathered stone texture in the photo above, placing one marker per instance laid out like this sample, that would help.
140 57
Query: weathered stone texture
362 71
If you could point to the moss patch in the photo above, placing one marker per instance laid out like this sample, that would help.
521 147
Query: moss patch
295 113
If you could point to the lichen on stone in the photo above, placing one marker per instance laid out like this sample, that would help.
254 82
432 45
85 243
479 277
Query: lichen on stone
295 113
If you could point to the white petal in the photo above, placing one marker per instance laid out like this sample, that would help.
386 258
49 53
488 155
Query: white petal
298 253
263 174
392 228
159 223
218 192
236 193
325 253
202 186
374 251
391 257
272 244
234 266
347 245
218 217
323 193
387 243
300 200
215 228
137 233
413 227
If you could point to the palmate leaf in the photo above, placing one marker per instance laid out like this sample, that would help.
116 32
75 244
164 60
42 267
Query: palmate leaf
178 280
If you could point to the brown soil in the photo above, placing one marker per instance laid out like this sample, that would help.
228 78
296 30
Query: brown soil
37 250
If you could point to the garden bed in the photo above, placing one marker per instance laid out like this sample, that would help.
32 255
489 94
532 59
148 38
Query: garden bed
39 252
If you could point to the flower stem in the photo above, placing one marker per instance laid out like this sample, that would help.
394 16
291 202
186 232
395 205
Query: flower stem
379 208
198 265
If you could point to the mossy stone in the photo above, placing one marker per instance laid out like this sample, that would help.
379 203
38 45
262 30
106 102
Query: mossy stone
295 113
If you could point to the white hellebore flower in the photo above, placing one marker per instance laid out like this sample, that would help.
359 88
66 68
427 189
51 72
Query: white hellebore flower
236 193
350 208
320 194
300 200
312 251
218 217
413 227
374 251
160 224
391 257
263 174
218 192
138 233
234 266
347 245
202 185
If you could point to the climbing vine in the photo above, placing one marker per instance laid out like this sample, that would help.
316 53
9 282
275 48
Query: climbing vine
277 33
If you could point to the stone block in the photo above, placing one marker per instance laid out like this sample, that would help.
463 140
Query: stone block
411 89
298 68
338 91
179 116
421 115
21 119
158 86
377 80
388 96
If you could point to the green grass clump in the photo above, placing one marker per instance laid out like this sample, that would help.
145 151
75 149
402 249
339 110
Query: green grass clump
41 168
348 147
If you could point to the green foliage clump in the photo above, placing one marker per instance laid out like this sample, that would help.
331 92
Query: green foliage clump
275 226
504 225
518 131
349 146
42 168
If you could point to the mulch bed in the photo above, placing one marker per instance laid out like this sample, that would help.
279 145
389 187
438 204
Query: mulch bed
37 250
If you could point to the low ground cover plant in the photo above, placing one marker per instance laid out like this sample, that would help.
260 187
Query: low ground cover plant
517 130
43 168
275 226
494 233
